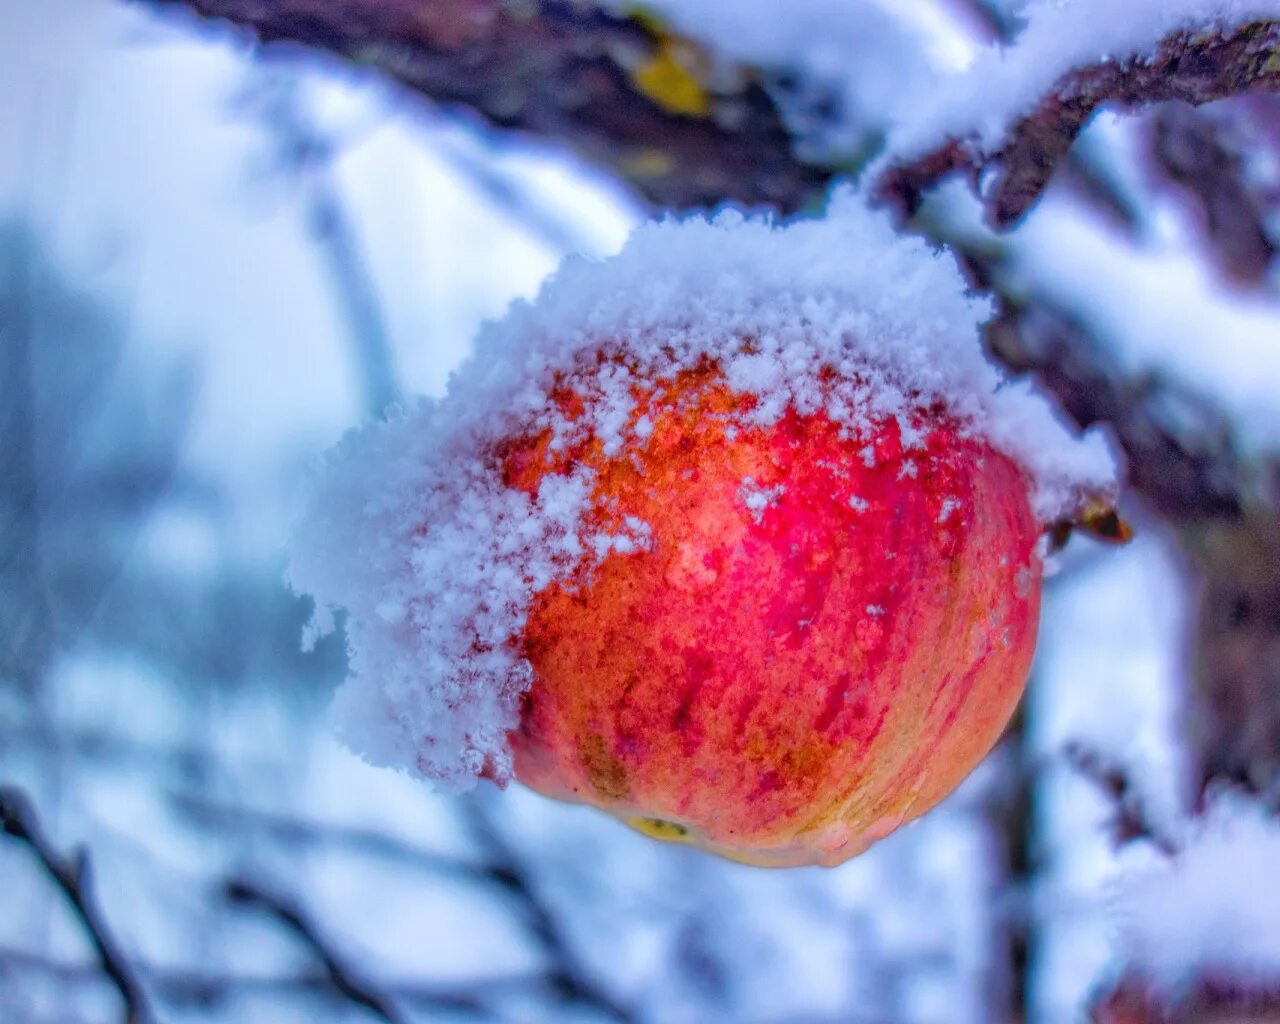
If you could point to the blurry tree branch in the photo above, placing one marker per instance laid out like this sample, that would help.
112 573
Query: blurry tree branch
618 90
306 152
363 841
28 643
499 865
72 874
1193 67
1137 1000
1131 818
206 988
1193 151
990 23
344 977
569 976
1183 459
509 194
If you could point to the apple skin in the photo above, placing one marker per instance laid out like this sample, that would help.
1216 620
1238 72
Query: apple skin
792 667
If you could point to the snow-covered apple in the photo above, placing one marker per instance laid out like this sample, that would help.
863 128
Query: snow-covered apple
734 535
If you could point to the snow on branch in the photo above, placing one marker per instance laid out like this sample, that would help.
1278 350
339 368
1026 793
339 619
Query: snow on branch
71 873
1197 935
1013 165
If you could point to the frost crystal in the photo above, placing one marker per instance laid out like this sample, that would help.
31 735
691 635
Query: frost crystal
412 531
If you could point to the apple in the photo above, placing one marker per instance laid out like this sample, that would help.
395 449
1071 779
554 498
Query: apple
801 634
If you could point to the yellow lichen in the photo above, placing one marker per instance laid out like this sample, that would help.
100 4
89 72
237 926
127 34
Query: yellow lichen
666 79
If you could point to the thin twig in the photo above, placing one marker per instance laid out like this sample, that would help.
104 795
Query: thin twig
307 153
363 841
1131 818
1196 152
205 988
569 976
340 974
73 876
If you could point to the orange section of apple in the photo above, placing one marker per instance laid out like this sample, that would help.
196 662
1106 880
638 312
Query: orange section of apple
821 636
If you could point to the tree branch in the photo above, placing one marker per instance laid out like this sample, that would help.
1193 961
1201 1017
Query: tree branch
1193 67
203 988
1193 151
341 975
368 842
1136 1000
621 91
1131 819
73 876
568 975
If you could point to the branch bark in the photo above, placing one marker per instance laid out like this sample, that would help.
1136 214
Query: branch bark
1135 1000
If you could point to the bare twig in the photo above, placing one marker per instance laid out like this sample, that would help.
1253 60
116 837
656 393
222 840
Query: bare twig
568 975
205 988
510 195
1131 819
72 875
499 866
364 841
340 974
307 153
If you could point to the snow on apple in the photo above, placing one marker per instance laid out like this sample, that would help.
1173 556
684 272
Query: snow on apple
734 535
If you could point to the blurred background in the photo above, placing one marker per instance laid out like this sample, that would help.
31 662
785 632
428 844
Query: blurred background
217 257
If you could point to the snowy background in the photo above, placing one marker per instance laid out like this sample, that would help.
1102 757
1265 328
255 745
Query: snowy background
211 265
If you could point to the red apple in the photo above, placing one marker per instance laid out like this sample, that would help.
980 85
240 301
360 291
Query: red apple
818 634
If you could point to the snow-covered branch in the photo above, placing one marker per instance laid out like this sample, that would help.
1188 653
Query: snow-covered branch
1197 925
1191 65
